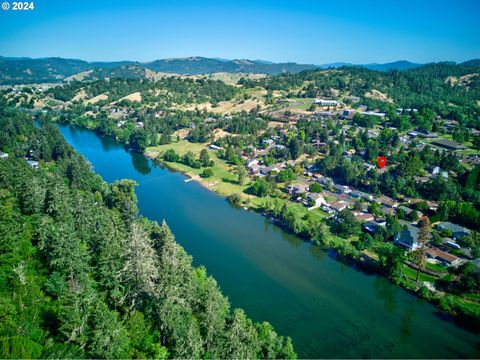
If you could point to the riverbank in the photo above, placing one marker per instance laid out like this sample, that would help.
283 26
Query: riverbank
223 182
331 307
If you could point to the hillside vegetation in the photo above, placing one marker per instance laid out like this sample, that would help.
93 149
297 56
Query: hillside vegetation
82 275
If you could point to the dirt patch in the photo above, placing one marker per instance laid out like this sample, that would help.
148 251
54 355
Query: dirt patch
464 80
377 95
224 107
220 133
182 133
136 96
97 98
275 124
80 76
80 95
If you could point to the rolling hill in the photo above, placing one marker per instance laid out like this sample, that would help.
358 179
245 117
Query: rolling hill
21 70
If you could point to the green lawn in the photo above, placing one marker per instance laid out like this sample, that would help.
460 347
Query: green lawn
223 174
412 275
435 267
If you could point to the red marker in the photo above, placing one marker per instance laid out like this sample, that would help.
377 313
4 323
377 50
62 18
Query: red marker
382 161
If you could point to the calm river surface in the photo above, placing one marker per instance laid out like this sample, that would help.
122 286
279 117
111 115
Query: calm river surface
328 308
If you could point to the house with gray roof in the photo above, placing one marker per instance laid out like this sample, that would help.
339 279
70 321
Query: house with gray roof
456 230
408 236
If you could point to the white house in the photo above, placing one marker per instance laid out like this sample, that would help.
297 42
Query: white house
324 102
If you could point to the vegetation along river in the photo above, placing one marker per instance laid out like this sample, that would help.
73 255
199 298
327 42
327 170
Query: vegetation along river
328 308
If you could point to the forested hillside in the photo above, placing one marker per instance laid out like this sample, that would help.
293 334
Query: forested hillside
83 275
27 70
170 90
434 85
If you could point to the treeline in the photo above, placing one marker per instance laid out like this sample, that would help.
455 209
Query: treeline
82 275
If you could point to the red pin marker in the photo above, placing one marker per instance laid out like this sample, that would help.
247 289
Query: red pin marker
382 161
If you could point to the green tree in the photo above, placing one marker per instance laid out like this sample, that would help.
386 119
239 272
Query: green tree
204 157
241 175
391 259
206 173
294 147
138 140
261 187
315 188
171 155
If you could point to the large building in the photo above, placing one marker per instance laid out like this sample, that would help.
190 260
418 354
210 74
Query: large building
323 102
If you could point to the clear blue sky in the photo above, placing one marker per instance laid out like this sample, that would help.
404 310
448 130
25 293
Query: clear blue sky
302 31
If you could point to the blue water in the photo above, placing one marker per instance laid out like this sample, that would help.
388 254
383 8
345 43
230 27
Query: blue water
328 308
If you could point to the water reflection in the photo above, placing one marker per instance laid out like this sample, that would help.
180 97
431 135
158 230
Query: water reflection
109 143
140 163
386 292
406 322
317 252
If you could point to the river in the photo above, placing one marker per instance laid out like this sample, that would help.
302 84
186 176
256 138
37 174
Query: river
328 308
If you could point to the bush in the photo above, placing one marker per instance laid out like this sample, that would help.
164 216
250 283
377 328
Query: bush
206 173
315 188
234 199
171 156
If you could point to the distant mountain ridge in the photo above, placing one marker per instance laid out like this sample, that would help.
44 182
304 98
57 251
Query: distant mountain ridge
400 65
22 70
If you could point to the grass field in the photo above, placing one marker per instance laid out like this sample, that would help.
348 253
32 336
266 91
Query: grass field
224 178
412 275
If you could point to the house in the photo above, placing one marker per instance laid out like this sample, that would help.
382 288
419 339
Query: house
214 147
426 134
324 102
421 179
456 230
316 199
324 181
373 134
368 166
374 113
371 227
250 162
267 142
338 205
254 169
3 155
471 159
474 132
262 152
341 189
408 211
140 125
443 256
448 144
265 170
34 164
348 114
362 216
407 237
360 195
387 201
297 189
387 210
